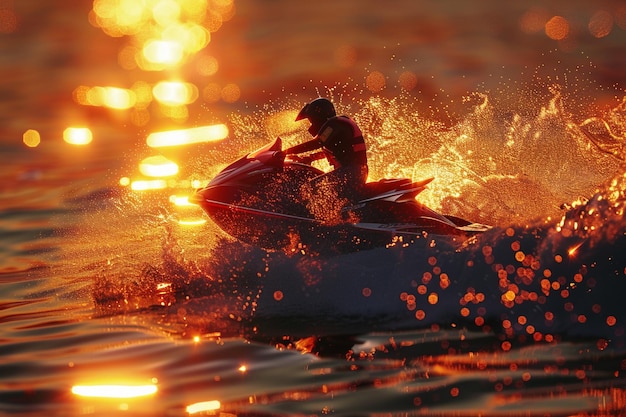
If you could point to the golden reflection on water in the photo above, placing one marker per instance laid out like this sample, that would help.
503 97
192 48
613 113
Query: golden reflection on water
175 93
203 406
111 97
192 222
114 391
77 135
158 166
181 201
164 32
190 136
143 185
160 36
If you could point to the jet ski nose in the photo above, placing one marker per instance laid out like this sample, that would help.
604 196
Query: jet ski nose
197 197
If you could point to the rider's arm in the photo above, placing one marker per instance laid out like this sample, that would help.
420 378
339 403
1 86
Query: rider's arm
308 146
307 159
317 156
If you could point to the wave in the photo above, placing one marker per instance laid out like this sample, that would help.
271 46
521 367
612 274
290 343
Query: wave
533 283
538 282
552 266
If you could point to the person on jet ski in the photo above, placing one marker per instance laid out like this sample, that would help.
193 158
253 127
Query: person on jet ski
341 143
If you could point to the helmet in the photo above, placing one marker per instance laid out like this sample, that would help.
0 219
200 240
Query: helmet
317 111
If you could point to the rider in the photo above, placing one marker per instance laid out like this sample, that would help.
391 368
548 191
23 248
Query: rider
341 143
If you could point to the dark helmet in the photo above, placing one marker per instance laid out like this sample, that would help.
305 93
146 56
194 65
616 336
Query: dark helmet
317 111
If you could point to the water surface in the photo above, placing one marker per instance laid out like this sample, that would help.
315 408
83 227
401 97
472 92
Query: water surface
103 284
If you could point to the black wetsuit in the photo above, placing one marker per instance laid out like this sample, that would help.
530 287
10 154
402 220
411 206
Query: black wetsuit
344 147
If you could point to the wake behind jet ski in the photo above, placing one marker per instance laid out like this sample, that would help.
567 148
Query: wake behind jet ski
260 199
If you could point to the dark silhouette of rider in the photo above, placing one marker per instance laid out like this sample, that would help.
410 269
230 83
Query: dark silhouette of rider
341 143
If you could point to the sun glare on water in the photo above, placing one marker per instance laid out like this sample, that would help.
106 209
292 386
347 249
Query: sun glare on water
203 406
171 30
187 136
163 52
78 135
158 166
111 97
143 185
175 92
114 391
160 37
128 391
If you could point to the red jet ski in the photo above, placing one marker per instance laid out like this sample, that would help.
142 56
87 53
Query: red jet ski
258 200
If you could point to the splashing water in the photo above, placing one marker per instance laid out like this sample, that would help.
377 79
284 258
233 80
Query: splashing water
518 172
489 163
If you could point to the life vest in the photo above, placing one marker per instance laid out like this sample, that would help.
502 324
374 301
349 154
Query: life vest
342 142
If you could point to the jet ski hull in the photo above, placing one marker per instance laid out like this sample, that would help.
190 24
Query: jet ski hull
263 200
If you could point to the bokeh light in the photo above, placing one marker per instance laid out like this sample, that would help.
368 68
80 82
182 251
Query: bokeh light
231 93
111 97
31 138
175 93
408 80
534 20
178 113
601 24
207 66
375 81
163 52
557 28
212 93
143 94
158 166
77 136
